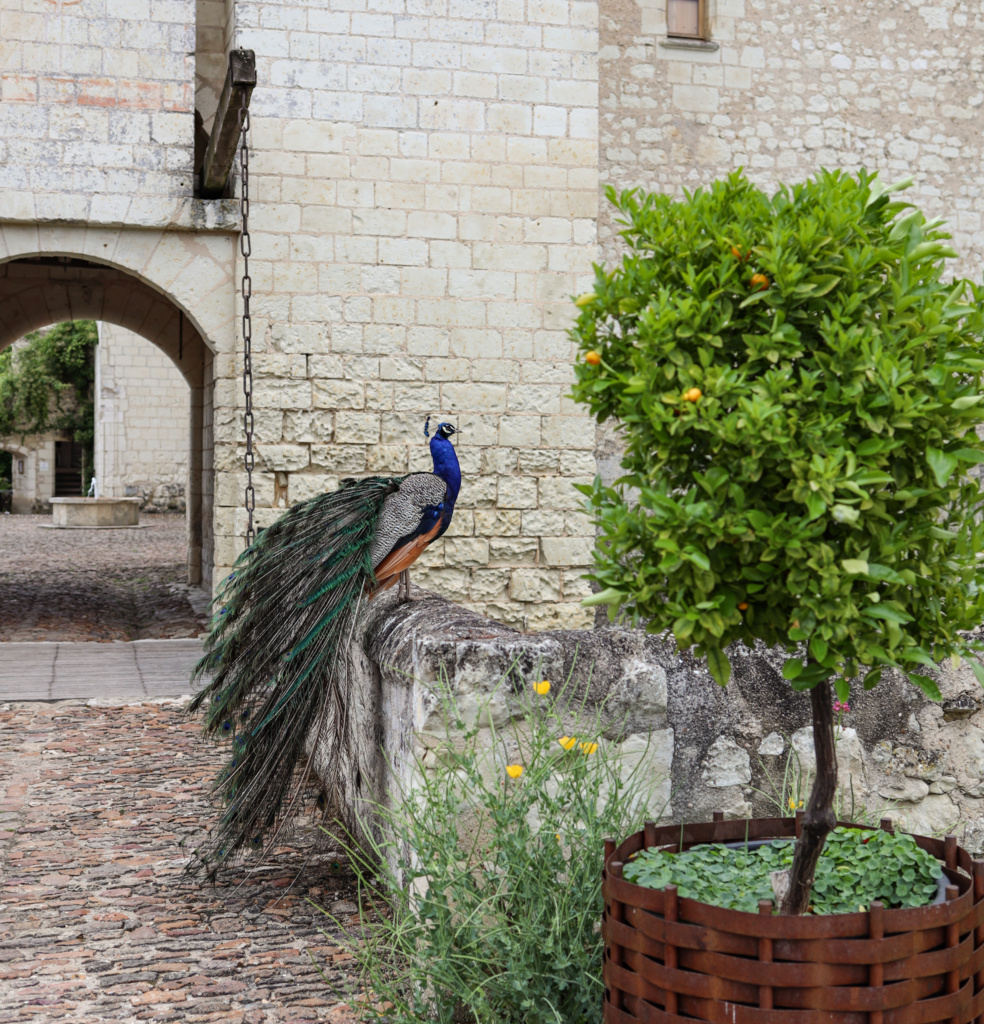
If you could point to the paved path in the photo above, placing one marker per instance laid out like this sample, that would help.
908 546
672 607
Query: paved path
115 671
99 806
97 585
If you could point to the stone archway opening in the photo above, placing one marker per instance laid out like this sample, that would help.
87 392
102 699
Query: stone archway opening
39 290
151 582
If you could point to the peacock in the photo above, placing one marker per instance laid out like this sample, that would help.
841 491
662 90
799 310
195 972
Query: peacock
274 662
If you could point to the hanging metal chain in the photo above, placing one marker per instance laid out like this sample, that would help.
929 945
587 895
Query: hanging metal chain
245 247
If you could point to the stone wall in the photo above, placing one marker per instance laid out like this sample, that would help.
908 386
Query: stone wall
142 415
425 201
704 748
96 108
33 485
425 195
782 89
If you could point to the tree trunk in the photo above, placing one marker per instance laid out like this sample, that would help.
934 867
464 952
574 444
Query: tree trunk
819 819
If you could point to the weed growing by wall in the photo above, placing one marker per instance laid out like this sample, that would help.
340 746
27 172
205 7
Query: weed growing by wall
488 902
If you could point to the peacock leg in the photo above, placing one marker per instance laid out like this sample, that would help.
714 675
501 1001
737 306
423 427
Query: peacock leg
404 590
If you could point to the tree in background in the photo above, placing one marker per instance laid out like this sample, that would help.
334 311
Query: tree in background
48 385
797 391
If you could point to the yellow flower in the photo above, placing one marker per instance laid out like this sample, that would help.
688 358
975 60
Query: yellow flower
589 748
558 837
542 688
514 770
568 742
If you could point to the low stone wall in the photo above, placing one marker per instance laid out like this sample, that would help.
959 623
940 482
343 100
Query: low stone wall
158 497
900 755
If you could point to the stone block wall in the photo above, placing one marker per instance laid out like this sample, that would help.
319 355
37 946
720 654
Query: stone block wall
702 747
783 89
425 196
35 484
142 417
96 108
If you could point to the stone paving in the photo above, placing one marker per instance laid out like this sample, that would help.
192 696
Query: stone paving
59 671
99 804
96 584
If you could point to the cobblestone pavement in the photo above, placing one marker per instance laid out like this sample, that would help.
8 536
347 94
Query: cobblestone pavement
96 584
98 921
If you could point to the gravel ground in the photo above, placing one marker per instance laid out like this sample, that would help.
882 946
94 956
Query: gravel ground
96 584
98 922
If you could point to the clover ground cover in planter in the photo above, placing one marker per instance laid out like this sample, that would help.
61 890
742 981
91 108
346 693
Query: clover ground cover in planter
857 867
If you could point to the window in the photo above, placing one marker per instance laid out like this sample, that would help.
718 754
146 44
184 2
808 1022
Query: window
685 19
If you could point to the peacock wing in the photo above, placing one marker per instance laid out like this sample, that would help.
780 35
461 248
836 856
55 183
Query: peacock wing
407 513
271 658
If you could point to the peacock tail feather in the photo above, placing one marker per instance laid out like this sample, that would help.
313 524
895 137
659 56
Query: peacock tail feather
273 659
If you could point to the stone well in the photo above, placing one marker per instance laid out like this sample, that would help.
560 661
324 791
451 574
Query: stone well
90 513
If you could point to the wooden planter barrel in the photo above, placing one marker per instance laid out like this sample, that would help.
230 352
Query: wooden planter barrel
673 961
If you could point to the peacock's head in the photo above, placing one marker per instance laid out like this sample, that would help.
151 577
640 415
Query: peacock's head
443 430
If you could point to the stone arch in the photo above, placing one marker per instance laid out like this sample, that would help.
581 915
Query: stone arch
173 288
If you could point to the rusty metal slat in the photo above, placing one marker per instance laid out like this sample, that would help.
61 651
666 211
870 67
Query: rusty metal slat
682 960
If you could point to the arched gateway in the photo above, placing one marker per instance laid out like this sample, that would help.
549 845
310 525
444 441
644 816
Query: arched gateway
173 288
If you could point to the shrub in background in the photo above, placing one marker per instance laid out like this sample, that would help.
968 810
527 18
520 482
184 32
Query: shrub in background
487 891
797 390
35 381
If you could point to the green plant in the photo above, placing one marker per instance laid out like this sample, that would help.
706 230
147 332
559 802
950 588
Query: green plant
797 391
36 380
484 901
856 867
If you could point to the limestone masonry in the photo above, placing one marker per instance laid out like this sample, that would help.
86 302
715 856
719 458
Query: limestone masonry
425 199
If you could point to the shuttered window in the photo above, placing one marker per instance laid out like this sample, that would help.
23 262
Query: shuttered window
685 19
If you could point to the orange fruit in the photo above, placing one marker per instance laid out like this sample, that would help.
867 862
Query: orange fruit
692 395
593 358
742 606
736 252
760 281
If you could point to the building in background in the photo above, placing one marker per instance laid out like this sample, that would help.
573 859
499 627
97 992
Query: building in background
424 202
141 434
141 430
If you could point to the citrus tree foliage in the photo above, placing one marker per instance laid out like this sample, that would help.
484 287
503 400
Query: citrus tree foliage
797 389
48 384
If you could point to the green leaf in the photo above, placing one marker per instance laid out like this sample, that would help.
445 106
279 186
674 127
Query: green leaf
965 402
843 688
698 558
969 455
855 566
610 596
942 464
815 505
818 648
720 667
888 612
792 668
683 627
823 283
927 685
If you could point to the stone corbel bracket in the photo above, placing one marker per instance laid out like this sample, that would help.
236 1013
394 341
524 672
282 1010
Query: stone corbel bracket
224 140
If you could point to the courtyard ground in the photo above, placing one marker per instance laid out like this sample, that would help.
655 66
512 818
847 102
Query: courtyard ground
96 584
99 806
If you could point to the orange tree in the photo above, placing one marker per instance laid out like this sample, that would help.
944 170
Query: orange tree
797 390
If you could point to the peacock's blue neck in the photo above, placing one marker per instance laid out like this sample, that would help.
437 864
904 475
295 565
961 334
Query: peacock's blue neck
446 465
